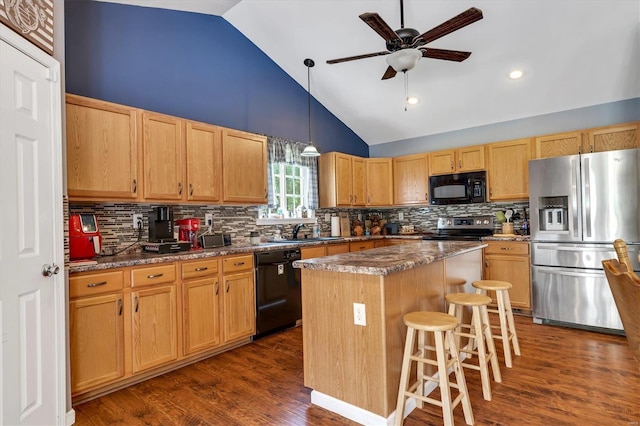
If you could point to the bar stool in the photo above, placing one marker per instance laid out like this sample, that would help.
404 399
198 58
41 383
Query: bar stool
442 326
507 324
479 334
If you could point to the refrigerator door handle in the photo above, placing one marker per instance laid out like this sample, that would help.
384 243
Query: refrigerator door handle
586 196
575 179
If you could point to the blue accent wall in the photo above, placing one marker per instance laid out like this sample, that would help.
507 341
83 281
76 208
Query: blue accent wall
193 66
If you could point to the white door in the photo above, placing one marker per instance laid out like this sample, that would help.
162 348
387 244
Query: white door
32 304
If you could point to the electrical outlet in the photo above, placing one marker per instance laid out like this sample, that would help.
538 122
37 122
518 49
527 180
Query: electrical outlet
400 216
359 216
359 314
137 217
208 219
327 217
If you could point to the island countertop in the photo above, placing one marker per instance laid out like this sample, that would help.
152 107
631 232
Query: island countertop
388 260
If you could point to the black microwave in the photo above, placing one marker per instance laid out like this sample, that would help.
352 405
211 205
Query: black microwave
459 188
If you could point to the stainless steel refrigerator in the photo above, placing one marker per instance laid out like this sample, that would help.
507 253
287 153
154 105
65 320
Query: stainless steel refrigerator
579 205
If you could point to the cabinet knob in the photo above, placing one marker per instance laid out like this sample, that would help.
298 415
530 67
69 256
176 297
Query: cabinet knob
426 196
217 288
136 303
459 164
453 165
135 186
227 289
190 189
119 307
179 188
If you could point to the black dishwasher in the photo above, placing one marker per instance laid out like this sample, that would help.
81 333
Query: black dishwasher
278 299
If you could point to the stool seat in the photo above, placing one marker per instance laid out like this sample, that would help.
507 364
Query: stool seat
468 299
430 321
492 285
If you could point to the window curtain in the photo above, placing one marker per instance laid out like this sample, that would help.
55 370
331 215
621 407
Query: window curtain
285 151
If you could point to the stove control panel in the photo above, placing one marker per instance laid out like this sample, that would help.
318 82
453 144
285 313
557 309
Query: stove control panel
467 222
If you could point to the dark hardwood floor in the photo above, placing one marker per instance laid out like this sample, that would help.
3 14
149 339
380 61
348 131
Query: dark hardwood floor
564 377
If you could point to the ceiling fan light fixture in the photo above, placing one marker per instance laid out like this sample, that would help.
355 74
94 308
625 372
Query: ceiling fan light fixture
404 60
412 100
310 150
516 74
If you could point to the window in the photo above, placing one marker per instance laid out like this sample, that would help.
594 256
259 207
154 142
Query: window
290 189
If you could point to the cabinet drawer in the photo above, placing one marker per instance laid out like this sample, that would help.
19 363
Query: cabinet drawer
199 268
337 249
237 263
98 283
152 275
311 252
506 247
361 245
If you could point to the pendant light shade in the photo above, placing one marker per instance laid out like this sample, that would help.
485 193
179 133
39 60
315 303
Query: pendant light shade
310 150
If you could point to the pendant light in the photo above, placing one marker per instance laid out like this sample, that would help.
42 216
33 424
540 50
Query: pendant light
310 150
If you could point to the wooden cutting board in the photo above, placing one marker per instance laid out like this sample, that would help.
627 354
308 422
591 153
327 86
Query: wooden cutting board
345 225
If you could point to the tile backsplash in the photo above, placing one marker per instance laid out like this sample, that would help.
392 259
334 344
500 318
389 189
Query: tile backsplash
115 219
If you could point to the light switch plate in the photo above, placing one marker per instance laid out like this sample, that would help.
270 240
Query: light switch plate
359 314
400 216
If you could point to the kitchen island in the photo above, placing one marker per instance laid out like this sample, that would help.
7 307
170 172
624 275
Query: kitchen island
352 309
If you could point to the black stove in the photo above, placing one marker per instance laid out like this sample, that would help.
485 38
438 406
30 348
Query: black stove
467 228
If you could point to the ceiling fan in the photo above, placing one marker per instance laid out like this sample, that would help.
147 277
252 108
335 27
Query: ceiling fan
406 45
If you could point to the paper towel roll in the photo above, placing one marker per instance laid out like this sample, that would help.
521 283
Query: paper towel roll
335 226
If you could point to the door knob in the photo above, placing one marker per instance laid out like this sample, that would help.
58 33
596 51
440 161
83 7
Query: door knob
49 270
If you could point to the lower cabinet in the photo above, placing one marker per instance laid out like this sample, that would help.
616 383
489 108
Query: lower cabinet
509 261
361 245
238 298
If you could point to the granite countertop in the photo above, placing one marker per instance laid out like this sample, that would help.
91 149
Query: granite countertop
504 237
145 258
387 260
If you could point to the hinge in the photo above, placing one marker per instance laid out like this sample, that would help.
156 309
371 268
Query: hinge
52 75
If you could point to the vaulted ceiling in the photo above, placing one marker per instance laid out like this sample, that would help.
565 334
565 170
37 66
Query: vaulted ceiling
572 53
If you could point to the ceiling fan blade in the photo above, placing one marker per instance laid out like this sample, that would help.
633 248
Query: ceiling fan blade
447 55
353 58
389 73
381 27
462 20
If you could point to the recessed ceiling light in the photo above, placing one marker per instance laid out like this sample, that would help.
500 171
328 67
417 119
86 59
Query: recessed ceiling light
412 100
515 74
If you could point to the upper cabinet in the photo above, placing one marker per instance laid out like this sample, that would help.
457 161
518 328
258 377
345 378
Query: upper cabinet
379 181
465 159
508 165
558 144
244 167
341 180
102 150
411 179
204 162
163 157
609 138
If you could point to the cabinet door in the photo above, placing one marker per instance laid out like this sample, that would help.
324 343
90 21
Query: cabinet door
162 143
509 170
154 327
442 162
96 337
102 150
343 179
337 249
204 162
244 162
311 252
379 181
411 179
558 145
515 270
470 158
201 314
610 138
239 318
358 181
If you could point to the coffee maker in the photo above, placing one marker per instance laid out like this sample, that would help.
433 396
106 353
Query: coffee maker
161 232
188 231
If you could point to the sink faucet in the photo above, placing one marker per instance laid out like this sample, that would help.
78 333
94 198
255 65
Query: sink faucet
296 228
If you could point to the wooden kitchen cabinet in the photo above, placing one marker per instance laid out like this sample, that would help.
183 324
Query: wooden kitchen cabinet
200 305
509 261
341 180
311 252
362 245
154 333
459 160
244 167
163 157
96 330
411 179
102 150
337 249
204 162
558 144
609 138
238 298
508 170
379 175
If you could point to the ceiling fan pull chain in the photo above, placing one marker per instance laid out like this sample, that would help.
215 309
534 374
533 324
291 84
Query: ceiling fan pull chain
406 90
